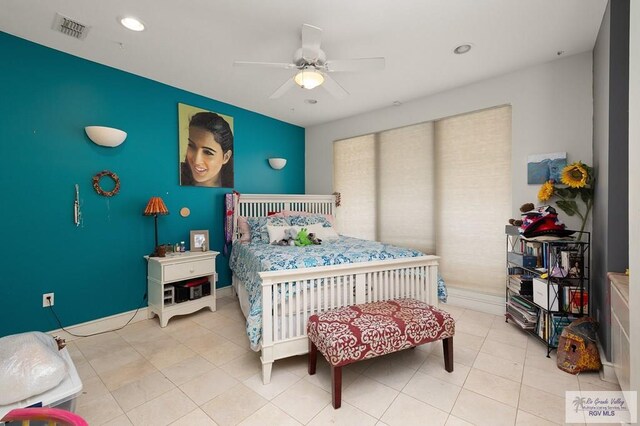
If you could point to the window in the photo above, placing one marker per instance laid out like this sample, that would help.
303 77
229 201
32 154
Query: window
441 187
473 198
354 166
386 182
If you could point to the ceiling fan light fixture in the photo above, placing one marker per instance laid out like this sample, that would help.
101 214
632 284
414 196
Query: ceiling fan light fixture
309 78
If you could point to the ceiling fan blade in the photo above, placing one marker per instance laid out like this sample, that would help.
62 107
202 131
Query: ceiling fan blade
264 64
334 88
283 89
360 64
311 38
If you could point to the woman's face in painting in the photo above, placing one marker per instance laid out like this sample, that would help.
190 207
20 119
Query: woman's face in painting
205 157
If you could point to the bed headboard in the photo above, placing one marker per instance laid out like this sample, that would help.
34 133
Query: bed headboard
254 205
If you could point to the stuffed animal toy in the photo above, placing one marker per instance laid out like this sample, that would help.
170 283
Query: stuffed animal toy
289 239
540 221
303 238
290 234
527 207
315 240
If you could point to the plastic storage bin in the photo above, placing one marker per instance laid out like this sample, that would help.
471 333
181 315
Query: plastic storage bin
63 396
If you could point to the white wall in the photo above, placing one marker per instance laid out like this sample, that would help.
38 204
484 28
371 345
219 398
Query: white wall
552 112
634 194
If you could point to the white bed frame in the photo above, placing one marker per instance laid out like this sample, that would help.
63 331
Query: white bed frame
313 290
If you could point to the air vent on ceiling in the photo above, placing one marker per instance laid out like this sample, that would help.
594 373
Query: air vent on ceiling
70 27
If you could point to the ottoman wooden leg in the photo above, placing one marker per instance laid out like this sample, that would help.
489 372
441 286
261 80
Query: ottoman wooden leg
313 356
447 348
336 386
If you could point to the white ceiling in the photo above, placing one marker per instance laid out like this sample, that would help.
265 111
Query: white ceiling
191 44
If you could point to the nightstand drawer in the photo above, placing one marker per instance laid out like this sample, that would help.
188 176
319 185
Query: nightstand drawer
183 271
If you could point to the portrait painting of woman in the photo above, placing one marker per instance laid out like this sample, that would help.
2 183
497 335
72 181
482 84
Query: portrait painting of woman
206 147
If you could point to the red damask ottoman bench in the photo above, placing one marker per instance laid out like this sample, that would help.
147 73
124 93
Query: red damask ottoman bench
368 330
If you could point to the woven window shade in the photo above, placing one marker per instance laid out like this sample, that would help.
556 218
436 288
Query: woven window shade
473 197
441 187
354 178
405 183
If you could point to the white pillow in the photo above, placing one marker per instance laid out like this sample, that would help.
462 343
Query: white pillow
322 232
276 232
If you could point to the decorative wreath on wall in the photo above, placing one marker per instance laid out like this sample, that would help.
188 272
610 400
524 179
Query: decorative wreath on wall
99 190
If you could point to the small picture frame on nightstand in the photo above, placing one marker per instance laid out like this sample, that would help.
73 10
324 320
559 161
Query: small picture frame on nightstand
200 240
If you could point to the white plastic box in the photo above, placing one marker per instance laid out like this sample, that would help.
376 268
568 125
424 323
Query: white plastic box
63 396
545 294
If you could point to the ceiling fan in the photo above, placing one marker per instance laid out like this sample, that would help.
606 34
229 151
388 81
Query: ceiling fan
314 68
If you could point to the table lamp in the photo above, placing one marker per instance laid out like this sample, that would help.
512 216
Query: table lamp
155 206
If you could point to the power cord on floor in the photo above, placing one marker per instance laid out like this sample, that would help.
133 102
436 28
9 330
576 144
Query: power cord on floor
99 332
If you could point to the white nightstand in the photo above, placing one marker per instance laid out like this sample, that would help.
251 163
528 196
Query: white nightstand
162 272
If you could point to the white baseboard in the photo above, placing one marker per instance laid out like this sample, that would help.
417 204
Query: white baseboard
608 373
224 292
116 321
477 301
101 324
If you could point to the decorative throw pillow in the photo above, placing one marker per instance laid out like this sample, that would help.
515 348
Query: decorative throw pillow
308 220
244 230
255 223
258 227
289 213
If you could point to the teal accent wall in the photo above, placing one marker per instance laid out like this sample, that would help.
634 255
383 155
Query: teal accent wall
97 269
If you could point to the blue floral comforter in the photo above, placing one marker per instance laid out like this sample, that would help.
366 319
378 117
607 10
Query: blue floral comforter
247 260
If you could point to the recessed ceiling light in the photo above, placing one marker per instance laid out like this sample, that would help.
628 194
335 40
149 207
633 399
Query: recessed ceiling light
134 24
462 49
310 101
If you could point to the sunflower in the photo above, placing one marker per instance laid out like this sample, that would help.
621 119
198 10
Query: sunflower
575 175
546 191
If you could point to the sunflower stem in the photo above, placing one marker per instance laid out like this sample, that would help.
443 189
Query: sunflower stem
584 219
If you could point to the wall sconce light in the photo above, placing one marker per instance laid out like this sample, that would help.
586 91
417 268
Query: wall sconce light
105 136
277 163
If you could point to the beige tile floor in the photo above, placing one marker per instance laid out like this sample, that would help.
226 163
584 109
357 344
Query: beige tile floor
199 371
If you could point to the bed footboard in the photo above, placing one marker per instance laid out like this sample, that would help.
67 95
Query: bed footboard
289 297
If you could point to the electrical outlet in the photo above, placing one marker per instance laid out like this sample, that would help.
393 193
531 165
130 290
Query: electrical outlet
45 300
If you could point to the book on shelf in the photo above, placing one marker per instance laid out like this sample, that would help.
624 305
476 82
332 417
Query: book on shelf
541 328
521 284
579 302
576 265
523 304
566 296
536 250
522 312
526 316
515 270
558 323
518 319
565 263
